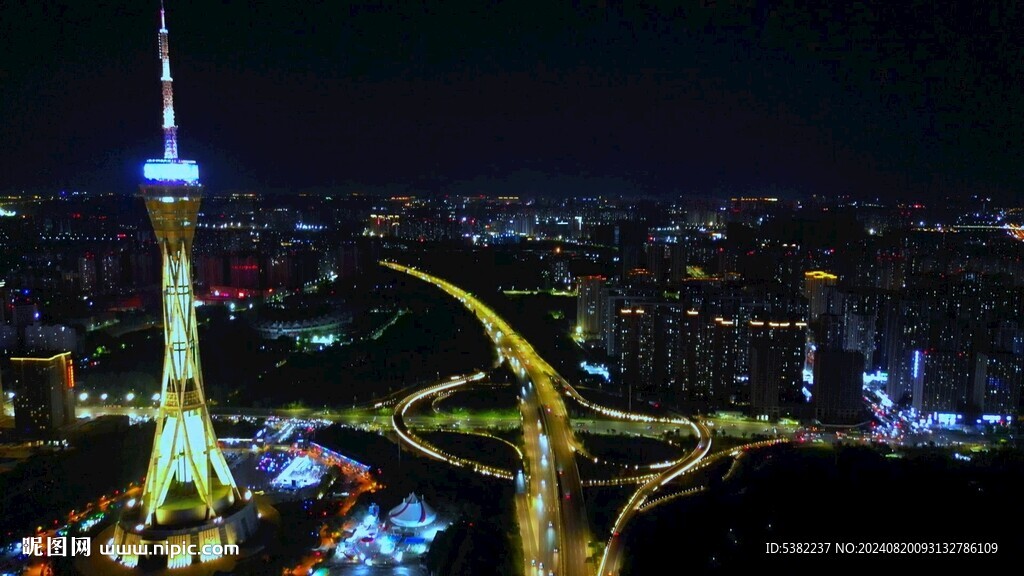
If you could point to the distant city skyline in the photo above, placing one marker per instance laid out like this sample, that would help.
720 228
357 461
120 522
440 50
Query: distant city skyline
566 290
709 101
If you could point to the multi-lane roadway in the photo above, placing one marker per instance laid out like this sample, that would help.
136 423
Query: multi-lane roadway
556 533
611 562
373 419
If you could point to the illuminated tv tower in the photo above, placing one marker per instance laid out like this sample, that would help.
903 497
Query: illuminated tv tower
189 497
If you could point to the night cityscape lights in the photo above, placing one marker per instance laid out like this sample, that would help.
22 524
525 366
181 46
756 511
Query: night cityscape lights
582 289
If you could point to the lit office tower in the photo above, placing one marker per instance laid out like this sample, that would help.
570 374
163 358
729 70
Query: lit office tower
44 393
819 291
589 306
190 499
776 363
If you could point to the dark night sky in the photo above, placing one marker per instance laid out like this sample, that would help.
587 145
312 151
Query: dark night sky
870 98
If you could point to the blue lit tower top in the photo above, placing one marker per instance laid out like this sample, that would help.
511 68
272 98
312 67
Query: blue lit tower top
169 170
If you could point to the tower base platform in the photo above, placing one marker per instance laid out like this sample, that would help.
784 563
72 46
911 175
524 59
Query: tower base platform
251 526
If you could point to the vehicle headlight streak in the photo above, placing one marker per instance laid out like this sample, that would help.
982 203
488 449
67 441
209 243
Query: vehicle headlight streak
639 501
398 424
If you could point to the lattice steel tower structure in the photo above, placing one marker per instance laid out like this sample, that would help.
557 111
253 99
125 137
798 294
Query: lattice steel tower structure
189 496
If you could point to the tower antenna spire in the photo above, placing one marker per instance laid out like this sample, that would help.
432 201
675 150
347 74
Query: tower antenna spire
167 89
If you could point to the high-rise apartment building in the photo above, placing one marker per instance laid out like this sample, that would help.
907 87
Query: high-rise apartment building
44 393
819 289
776 363
590 306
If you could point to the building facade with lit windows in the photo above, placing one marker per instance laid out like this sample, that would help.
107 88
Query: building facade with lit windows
614 299
776 362
942 382
590 307
50 337
638 352
819 288
997 382
710 362
44 393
